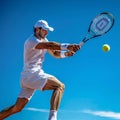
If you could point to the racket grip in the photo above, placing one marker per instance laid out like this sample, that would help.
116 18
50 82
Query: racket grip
81 44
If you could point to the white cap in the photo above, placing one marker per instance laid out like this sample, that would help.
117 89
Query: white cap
43 24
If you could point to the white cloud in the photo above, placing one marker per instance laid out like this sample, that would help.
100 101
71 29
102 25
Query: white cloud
36 109
109 114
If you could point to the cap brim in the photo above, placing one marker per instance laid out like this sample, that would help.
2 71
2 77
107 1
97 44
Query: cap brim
48 28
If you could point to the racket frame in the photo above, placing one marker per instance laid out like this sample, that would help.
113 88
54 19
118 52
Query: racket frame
86 38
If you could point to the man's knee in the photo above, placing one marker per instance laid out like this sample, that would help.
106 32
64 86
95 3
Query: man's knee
16 108
62 87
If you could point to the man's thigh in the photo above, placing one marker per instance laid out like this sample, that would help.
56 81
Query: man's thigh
53 83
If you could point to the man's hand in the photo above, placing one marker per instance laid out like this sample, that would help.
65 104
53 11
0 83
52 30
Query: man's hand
73 47
69 53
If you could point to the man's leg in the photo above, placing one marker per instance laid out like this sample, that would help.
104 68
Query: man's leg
17 107
58 87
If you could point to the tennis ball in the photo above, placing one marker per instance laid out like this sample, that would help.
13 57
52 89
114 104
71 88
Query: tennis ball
106 48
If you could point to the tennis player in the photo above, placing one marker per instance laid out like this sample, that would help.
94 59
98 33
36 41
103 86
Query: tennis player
33 77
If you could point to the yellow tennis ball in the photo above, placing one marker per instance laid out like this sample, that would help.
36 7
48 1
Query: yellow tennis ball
106 48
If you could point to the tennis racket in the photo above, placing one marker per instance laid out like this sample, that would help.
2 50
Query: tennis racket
100 25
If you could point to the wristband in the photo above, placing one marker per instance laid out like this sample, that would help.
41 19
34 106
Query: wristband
64 46
62 54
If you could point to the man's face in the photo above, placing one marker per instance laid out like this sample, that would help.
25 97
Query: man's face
42 33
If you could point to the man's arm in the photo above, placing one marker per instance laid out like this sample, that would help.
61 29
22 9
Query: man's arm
60 54
48 45
57 46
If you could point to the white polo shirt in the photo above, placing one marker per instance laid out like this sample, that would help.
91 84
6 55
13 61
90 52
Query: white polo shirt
33 58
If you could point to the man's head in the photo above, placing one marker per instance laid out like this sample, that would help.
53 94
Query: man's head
41 28
43 24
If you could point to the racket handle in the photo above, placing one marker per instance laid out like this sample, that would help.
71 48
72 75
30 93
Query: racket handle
81 44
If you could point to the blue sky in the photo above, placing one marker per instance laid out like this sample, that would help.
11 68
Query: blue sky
91 77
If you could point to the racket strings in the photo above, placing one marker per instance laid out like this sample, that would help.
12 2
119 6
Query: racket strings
101 24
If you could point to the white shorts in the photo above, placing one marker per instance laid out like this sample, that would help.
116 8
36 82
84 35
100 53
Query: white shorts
31 81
